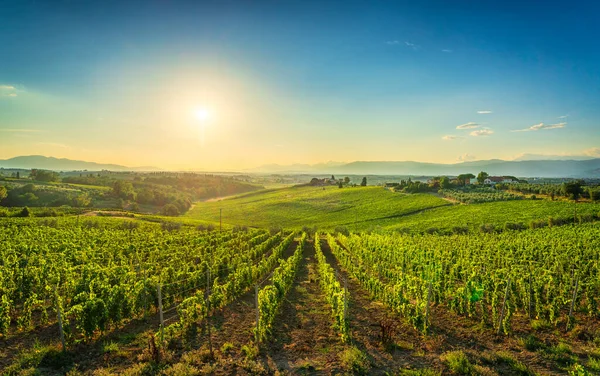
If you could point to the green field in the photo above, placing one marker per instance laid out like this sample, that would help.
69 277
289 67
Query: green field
494 213
327 208
369 208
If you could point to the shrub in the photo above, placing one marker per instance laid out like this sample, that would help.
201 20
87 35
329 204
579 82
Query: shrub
170 226
356 361
25 212
458 362
170 210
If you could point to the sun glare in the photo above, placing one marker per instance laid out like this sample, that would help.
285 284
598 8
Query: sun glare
202 114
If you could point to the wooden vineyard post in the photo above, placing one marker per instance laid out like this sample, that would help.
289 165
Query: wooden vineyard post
530 299
256 304
427 307
160 313
503 305
208 310
572 302
345 298
60 322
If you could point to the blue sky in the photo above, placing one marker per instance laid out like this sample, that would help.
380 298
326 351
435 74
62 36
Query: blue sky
298 81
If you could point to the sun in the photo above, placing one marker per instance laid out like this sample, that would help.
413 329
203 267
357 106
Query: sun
202 114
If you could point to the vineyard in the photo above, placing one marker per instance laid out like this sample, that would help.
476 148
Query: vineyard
154 300
478 195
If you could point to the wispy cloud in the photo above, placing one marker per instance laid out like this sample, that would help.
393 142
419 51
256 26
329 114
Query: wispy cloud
592 152
7 91
563 116
482 132
392 42
451 137
484 112
466 158
537 127
412 45
469 125
17 130
53 144
447 51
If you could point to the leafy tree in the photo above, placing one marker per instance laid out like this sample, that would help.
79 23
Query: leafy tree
123 189
43 175
332 177
462 178
445 182
18 175
346 180
363 183
573 189
482 176
340 185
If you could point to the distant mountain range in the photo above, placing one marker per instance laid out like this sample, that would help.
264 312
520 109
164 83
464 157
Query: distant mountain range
529 168
63 164
589 168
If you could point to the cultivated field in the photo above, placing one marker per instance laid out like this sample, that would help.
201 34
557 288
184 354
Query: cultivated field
137 297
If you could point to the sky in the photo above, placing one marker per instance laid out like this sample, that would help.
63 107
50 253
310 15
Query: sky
230 85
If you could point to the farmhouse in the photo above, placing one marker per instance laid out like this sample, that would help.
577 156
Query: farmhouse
493 180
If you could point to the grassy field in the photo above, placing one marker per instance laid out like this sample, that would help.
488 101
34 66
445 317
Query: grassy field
493 213
368 208
326 208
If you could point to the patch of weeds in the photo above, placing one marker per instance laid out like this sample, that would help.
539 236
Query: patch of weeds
301 289
519 367
420 372
181 369
110 347
306 366
253 367
540 325
561 353
594 364
250 352
531 343
483 371
354 360
227 348
458 362
400 345
578 370
40 356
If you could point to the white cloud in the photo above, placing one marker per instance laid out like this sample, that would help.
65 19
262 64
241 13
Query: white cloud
537 127
412 45
466 158
592 152
447 51
12 95
392 42
482 132
451 137
469 125
484 112
563 116
7 87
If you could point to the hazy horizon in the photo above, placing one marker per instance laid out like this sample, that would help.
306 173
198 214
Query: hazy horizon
236 85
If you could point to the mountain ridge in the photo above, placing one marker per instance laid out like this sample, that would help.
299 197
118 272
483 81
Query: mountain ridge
551 168
65 164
